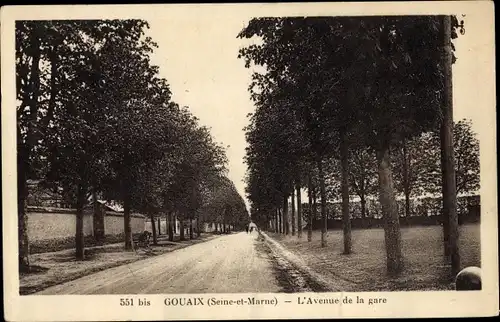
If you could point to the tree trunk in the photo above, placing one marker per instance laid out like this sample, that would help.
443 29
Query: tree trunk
170 226
407 205
33 129
24 151
198 231
126 222
322 192
299 211
280 221
346 220
79 236
95 205
364 224
181 229
390 212
293 212
153 228
311 211
363 207
450 216
282 224
286 226
159 225
276 221
53 56
406 179
282 218
191 233
98 220
174 223
22 217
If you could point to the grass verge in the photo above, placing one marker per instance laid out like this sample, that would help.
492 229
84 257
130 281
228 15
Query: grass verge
364 270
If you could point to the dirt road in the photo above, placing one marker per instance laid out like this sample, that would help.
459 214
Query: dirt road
229 264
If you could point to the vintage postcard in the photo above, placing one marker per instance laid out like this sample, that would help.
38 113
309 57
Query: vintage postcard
249 161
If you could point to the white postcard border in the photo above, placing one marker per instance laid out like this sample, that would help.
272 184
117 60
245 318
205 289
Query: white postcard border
399 304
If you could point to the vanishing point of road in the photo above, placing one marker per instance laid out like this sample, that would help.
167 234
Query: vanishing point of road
228 264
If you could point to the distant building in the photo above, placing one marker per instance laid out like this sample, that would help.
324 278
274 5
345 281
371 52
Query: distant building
40 196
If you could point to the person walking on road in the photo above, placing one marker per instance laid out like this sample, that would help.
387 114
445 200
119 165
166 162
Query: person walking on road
252 226
246 227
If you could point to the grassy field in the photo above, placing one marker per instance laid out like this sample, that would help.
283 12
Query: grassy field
365 268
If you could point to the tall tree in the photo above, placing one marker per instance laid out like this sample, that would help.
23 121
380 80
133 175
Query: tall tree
59 96
38 44
299 208
312 208
450 222
412 160
270 137
394 63
293 211
363 175
466 151
401 101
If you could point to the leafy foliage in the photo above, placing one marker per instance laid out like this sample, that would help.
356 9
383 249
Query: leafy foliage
338 94
467 165
94 114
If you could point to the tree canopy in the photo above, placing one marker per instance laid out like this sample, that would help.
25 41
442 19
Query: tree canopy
94 115
337 96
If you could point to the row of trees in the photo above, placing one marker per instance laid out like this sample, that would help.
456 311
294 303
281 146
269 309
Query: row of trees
224 207
339 97
416 168
95 118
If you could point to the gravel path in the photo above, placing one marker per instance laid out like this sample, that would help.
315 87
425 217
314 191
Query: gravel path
229 264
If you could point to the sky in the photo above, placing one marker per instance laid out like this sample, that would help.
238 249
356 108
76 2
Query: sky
199 60
198 57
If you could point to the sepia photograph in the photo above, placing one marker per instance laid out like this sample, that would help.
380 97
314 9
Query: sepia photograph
249 154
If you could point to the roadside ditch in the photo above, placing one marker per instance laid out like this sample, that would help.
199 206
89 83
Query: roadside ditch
292 275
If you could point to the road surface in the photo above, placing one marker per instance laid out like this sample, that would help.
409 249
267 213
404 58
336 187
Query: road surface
228 264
